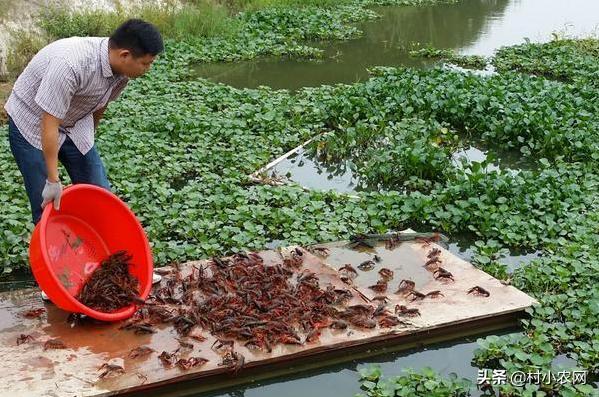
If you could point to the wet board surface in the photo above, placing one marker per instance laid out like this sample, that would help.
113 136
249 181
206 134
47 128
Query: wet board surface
30 370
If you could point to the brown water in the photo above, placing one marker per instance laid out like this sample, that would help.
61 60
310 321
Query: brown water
469 27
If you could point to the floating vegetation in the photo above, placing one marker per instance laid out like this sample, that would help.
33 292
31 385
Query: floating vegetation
449 55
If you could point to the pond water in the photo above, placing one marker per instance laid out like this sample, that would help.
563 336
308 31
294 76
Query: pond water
469 27
18 279
461 246
304 169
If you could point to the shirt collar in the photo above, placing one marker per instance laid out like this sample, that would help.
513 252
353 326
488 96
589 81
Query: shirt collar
104 60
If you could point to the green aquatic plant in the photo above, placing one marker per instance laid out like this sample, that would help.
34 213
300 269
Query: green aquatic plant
569 60
422 383
449 55
180 151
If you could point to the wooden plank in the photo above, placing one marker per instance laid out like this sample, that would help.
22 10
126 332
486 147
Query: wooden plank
29 370
193 388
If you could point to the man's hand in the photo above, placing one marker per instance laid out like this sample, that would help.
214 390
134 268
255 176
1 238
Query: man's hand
52 192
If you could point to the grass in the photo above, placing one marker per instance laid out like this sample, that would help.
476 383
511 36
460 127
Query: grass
449 55
247 5
196 18
4 93
202 20
562 59
23 46
4 7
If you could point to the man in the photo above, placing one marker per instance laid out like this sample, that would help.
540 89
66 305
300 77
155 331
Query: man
58 100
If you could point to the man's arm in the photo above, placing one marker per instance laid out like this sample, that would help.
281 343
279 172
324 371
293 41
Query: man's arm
98 116
54 97
50 126
53 188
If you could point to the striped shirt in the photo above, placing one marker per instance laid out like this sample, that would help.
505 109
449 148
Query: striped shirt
69 79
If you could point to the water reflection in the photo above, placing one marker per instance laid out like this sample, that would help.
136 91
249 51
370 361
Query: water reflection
304 169
384 42
18 279
535 20
462 246
469 27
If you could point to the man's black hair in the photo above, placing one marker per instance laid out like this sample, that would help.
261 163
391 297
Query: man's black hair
139 37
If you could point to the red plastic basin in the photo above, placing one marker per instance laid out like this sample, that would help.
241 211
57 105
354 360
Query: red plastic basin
69 244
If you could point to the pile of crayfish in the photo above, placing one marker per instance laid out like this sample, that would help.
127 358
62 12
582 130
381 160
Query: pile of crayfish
260 306
111 286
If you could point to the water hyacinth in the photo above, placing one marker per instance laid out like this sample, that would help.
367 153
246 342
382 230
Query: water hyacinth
180 152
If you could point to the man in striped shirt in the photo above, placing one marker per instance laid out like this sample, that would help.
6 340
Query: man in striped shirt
58 100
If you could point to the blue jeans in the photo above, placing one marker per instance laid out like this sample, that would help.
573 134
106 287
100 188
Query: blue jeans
81 168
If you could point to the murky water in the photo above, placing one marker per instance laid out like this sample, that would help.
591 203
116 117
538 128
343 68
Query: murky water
461 246
469 27
304 169
18 279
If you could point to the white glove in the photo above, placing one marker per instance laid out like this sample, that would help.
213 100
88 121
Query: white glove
52 192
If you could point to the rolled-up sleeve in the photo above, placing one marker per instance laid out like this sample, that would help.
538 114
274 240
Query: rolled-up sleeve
57 88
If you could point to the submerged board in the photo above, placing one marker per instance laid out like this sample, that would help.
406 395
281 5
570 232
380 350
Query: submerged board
29 370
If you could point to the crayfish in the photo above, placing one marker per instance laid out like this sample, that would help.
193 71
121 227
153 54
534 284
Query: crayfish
402 310
380 286
33 313
386 274
24 338
140 351
233 360
187 363
442 274
168 359
391 321
349 270
111 370
405 287
54 344
366 265
480 291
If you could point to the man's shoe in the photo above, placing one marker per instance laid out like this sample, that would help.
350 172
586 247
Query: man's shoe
45 297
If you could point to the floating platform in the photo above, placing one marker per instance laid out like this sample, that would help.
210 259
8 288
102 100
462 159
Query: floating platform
29 370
